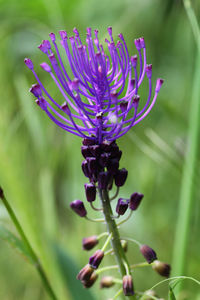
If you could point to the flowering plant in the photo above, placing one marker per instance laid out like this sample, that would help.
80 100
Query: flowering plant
101 104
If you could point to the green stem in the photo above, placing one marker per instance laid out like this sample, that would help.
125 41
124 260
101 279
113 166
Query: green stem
30 249
112 229
187 187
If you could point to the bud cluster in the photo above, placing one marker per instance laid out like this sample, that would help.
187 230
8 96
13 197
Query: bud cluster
101 165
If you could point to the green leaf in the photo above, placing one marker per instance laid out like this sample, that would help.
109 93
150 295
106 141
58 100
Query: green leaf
14 242
70 270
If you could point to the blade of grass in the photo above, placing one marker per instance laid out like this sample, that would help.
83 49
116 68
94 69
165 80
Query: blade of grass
187 186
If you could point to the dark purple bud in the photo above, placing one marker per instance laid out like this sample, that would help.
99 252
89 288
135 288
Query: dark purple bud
159 83
128 285
95 150
85 273
41 103
90 191
103 180
45 67
149 71
123 106
92 164
29 63
86 151
96 259
148 253
88 283
88 142
161 268
85 168
53 59
122 206
1 193
135 200
36 90
90 242
106 282
79 208
124 245
120 177
113 165
137 44
104 159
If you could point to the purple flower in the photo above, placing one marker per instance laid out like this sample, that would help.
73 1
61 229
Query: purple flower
101 100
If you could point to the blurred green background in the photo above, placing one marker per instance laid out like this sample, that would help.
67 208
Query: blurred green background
40 164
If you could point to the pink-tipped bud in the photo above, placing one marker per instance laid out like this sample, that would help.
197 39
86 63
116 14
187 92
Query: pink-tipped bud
75 84
90 242
29 63
106 282
138 44
142 43
120 35
53 59
128 285
161 268
63 34
134 61
36 90
148 253
52 36
75 30
149 71
45 67
159 83
65 108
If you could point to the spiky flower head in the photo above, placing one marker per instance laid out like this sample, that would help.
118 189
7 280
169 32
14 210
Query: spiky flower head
101 98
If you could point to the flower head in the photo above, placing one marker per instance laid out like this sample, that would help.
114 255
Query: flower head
101 100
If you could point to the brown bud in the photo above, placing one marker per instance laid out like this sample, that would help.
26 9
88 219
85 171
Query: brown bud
161 268
90 242
128 285
106 282
88 283
85 273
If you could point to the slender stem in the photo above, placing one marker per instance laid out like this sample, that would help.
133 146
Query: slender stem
95 220
141 265
106 242
108 268
102 235
30 249
112 229
187 187
131 240
117 294
95 208
115 195
126 219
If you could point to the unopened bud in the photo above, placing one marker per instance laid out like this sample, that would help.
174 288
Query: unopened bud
120 177
90 242
148 253
124 245
90 191
103 180
135 200
78 207
122 206
88 283
161 268
106 282
85 273
128 285
96 259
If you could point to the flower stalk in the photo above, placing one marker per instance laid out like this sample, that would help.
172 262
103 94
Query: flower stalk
32 253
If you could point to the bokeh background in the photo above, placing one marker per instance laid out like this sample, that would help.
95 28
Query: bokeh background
40 165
